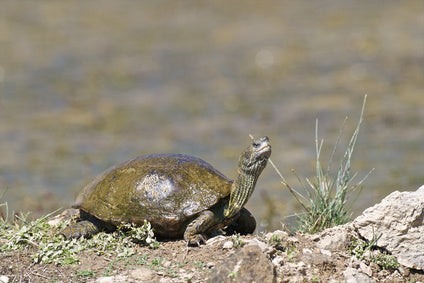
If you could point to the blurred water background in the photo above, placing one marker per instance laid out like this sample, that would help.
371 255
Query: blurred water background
87 84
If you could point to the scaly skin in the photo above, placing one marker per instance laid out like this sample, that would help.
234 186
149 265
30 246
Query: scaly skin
82 229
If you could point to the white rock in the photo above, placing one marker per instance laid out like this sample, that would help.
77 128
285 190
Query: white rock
335 238
255 242
227 245
352 275
399 221
112 279
307 251
326 252
108 279
4 279
215 240
278 260
365 269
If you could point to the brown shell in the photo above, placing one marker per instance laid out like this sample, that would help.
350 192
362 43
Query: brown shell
165 189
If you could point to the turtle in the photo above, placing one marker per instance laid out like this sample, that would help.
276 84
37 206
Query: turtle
180 195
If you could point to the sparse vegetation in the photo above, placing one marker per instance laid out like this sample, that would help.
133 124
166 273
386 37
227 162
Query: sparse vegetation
237 241
326 202
232 275
276 241
369 252
50 247
85 273
200 264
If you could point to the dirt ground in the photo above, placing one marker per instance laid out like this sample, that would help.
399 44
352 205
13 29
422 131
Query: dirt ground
173 261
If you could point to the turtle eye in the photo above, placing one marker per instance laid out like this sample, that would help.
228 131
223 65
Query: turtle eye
256 144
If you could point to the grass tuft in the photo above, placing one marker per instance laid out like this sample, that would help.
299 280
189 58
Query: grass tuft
325 204
327 193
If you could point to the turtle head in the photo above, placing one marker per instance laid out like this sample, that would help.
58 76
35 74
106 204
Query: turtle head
251 163
254 158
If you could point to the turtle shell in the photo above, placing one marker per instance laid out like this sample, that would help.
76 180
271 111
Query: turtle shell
167 190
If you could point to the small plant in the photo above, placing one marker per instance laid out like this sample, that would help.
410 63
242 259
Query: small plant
237 241
291 251
363 250
141 260
179 264
386 261
143 234
85 273
325 203
4 218
232 275
156 262
315 278
200 264
276 241
359 248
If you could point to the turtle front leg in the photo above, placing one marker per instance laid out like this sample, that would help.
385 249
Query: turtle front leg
83 228
194 231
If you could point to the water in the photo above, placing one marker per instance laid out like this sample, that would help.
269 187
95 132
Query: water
84 86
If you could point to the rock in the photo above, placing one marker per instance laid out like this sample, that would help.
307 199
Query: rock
215 240
354 262
352 275
136 275
365 269
142 274
248 264
112 279
4 279
397 222
323 262
326 252
395 277
307 251
256 242
228 245
335 238
278 260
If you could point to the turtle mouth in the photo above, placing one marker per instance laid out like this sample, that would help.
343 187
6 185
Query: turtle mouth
264 150
262 147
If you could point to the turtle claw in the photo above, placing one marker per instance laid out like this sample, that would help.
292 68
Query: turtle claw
196 240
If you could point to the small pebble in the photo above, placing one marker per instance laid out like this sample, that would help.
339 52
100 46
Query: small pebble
365 269
227 245
278 260
306 251
325 252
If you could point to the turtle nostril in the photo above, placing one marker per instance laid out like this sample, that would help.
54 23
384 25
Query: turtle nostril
265 139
